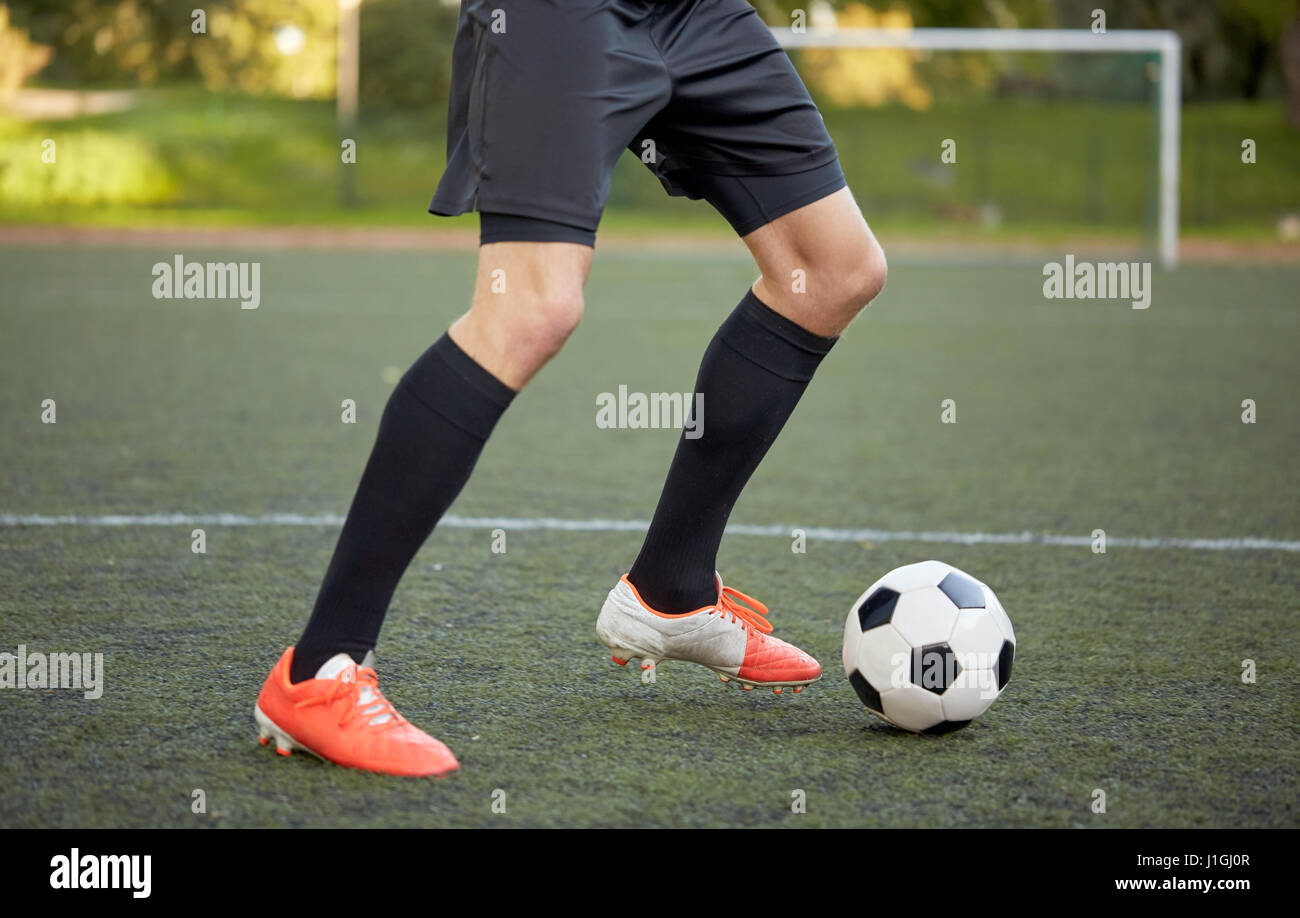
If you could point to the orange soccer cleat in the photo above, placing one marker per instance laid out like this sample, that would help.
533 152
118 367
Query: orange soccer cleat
342 717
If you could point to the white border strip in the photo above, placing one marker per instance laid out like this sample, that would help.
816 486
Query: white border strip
981 39
555 524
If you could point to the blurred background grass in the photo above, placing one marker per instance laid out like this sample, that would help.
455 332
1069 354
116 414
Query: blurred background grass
236 124
189 156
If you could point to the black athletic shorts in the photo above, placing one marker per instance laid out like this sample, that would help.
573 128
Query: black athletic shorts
546 94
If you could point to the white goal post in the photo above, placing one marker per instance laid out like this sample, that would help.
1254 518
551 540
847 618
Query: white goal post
1166 44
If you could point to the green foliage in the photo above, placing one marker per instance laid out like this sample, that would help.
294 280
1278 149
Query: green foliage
129 42
1024 14
405 46
240 52
20 57
406 53
151 42
1230 46
92 168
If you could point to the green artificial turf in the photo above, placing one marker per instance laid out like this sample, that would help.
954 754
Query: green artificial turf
1072 415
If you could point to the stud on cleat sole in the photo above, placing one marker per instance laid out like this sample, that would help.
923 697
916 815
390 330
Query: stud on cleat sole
798 689
776 691
723 678
284 743
618 661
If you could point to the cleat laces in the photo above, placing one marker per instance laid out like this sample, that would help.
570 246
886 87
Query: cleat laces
360 687
740 607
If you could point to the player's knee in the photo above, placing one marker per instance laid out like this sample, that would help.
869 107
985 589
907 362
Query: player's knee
864 277
846 281
555 314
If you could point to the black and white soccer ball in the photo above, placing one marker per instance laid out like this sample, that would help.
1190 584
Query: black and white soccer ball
928 647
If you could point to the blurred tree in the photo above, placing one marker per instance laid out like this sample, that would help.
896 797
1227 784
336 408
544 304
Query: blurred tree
875 77
20 57
1290 52
136 42
406 53
405 46
1231 48
148 42
1002 14
281 47
869 77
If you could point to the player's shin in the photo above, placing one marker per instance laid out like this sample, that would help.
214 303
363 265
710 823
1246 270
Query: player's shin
431 434
753 374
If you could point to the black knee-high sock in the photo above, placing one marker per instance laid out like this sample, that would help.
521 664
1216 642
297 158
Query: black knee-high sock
752 376
432 431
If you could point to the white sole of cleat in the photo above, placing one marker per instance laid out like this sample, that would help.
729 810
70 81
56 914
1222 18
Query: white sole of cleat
627 627
624 655
285 744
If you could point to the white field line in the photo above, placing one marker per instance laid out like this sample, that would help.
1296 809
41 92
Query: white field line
554 524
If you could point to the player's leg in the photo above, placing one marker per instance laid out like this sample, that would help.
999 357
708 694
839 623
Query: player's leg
530 147
322 696
527 299
513 330
819 265
742 132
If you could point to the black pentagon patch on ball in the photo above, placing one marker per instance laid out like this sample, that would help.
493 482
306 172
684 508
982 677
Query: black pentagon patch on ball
877 609
934 667
870 697
964 592
946 726
1005 657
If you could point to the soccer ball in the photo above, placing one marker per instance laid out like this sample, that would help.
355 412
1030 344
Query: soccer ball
928 647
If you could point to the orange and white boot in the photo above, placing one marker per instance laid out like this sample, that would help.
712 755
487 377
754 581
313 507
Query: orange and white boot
342 717
732 637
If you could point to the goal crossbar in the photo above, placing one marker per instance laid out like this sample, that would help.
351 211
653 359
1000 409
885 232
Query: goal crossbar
1164 43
